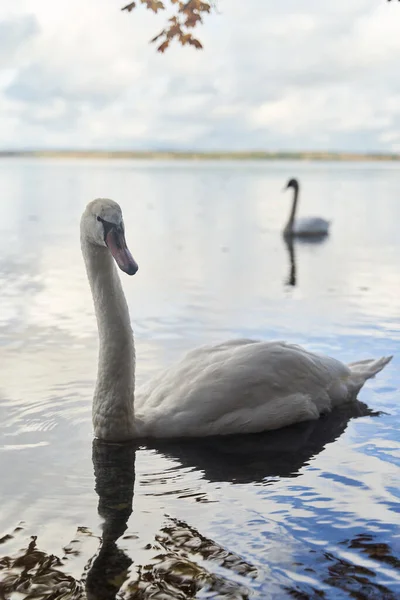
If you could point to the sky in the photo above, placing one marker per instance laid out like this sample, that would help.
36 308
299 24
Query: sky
274 75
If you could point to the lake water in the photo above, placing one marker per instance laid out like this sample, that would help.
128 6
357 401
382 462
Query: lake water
307 512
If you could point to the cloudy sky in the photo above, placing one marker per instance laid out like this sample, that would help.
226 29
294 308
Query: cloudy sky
286 75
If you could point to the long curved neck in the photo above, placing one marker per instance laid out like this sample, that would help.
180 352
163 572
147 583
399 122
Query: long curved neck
113 411
290 223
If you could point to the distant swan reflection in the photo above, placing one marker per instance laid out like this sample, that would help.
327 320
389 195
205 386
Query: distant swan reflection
291 280
290 245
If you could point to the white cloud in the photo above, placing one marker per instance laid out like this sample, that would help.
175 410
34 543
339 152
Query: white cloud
285 75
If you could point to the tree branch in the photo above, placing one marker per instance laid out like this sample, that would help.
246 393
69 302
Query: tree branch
187 16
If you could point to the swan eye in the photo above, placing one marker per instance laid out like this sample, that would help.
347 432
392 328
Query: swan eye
99 219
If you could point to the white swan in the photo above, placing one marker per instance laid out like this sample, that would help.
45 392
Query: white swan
305 226
240 386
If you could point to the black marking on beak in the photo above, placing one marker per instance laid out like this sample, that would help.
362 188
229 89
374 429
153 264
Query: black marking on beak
107 226
114 238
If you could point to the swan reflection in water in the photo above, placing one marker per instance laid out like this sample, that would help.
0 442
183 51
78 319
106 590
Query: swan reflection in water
114 471
290 246
171 569
236 459
254 458
168 575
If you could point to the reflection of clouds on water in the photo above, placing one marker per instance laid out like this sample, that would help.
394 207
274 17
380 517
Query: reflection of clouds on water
204 258
64 301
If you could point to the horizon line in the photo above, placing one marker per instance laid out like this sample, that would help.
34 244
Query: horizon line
193 154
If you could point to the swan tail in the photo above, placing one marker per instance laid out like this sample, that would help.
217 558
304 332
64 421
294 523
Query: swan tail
365 369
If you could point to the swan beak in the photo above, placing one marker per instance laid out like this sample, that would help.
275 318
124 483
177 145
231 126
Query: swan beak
115 240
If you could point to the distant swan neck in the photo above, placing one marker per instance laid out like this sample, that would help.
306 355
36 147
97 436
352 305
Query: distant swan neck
290 223
113 409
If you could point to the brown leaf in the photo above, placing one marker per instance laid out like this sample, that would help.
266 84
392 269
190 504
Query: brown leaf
204 7
184 38
129 7
194 6
157 37
163 46
190 5
195 43
173 31
192 20
154 5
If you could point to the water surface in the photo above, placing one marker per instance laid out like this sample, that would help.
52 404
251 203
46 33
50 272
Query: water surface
308 512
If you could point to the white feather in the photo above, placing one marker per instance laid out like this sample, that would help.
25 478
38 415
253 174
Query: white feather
246 386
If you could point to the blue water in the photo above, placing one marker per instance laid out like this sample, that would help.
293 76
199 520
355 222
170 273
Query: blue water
307 512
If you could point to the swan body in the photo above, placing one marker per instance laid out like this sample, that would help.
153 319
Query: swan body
310 226
240 386
305 226
246 386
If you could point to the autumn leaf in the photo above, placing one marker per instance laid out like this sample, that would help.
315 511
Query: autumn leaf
163 46
184 38
129 7
173 31
157 37
204 7
154 5
192 20
195 6
195 43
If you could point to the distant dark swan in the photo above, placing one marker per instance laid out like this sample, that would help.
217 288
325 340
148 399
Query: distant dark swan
305 226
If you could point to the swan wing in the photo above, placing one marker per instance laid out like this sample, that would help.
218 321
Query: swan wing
240 386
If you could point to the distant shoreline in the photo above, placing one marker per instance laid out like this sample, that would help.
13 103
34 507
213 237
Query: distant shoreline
142 155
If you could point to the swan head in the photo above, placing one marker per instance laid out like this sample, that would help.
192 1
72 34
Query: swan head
292 183
102 225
